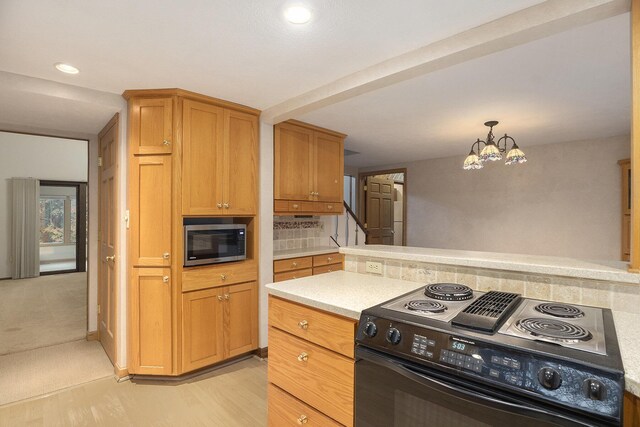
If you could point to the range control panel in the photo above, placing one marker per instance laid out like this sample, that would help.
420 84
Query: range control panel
569 384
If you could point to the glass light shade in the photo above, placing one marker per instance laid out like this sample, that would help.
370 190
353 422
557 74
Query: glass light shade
515 156
490 152
472 162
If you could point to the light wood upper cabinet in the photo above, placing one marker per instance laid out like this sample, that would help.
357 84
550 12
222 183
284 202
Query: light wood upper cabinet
150 206
241 318
240 167
309 166
151 125
219 163
150 326
202 158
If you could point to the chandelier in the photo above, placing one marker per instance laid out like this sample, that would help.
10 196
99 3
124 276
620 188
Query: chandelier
492 150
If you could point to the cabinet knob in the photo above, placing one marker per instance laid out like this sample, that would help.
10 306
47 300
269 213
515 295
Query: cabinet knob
294 264
166 142
219 205
227 296
302 419
226 205
110 258
303 357
295 206
303 324
165 279
219 297
223 277
329 270
165 255
329 259
329 206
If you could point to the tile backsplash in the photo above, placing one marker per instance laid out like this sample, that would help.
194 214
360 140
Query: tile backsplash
617 296
298 233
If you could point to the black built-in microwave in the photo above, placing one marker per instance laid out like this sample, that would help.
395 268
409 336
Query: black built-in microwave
214 243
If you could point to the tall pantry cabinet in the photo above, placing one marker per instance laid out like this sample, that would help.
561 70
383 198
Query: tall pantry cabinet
189 156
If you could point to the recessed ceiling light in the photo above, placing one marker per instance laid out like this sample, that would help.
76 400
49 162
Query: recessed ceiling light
297 14
66 68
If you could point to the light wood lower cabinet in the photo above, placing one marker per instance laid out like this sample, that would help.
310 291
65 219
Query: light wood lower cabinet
296 268
150 299
311 366
218 323
631 410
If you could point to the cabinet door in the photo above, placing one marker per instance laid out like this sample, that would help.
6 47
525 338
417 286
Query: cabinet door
202 151
150 314
240 163
150 211
241 318
151 129
202 342
329 167
293 155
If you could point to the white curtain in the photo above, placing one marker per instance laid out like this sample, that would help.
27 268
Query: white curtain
25 228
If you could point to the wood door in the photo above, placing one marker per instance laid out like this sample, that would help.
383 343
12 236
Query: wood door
150 211
202 149
108 237
202 337
379 211
240 168
329 167
150 314
241 318
151 122
294 157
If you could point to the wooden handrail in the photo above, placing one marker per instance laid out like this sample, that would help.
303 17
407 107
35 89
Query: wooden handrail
353 215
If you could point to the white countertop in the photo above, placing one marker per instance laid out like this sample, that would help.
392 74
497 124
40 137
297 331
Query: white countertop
347 294
614 271
342 292
295 253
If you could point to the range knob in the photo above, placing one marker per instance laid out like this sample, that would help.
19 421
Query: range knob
370 329
394 336
549 378
593 389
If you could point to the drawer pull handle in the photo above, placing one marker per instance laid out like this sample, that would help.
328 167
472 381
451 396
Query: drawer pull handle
303 357
303 324
294 264
223 277
302 419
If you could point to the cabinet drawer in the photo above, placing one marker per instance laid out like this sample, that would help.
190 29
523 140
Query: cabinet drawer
296 274
292 264
219 275
297 206
285 410
281 205
326 259
328 330
327 269
303 369
330 207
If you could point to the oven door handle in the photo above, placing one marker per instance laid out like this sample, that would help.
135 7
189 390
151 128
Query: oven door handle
464 393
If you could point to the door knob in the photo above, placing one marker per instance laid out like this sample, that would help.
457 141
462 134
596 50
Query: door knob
110 258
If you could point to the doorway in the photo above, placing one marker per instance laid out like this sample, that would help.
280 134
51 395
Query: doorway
63 227
382 204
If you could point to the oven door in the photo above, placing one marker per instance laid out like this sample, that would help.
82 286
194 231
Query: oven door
394 393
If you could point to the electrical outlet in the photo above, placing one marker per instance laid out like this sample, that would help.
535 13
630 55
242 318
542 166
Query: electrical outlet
374 267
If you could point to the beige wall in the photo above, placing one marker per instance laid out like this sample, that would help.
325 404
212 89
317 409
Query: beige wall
564 202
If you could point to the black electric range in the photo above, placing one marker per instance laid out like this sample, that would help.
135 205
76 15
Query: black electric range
445 355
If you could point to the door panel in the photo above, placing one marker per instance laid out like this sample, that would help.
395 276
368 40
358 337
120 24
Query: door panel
240 163
294 170
150 321
202 159
241 318
107 237
152 126
379 211
150 207
202 341
329 177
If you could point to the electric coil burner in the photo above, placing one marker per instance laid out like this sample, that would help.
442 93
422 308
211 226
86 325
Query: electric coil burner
553 329
448 292
426 306
560 310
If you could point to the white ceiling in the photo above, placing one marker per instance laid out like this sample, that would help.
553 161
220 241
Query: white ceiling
571 86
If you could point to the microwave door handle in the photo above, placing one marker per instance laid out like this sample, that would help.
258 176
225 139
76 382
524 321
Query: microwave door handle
463 393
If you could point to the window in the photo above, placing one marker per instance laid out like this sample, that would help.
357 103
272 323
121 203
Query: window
58 220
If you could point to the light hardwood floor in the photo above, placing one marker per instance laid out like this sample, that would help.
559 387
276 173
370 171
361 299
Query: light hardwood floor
231 396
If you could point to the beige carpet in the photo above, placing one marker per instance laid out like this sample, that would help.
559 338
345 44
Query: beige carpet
45 370
42 311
